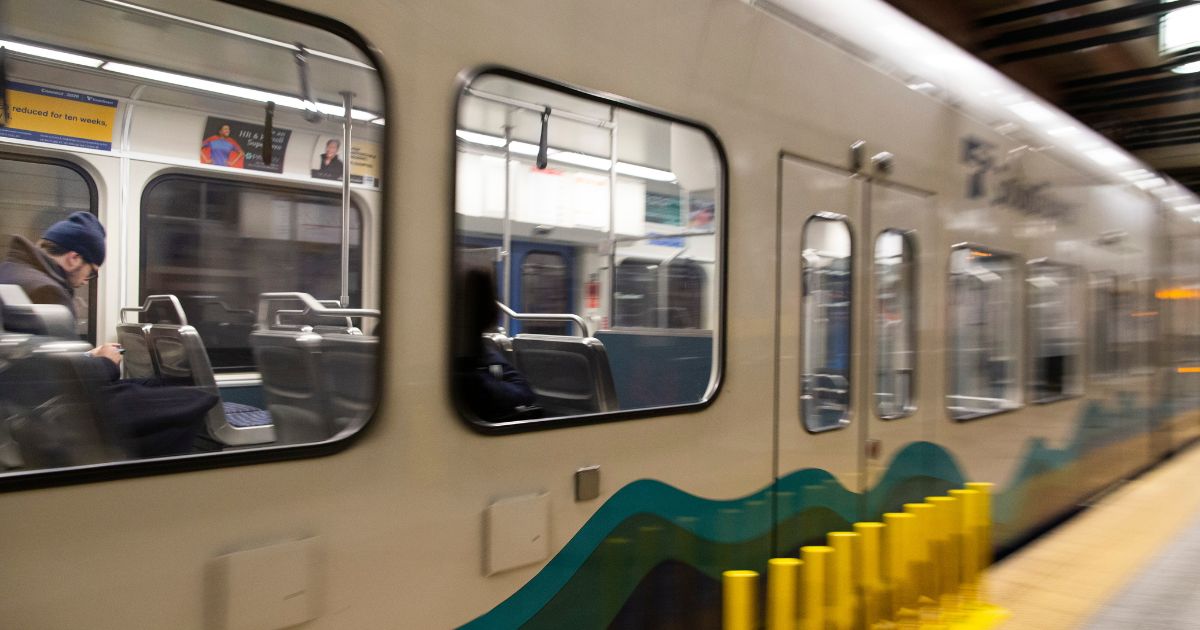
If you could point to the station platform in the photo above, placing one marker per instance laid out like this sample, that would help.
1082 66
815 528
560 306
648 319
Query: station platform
1130 562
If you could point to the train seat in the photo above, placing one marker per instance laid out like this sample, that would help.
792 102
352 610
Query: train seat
569 375
179 353
48 415
348 363
289 362
138 362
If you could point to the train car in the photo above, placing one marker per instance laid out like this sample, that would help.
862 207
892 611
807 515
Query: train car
751 272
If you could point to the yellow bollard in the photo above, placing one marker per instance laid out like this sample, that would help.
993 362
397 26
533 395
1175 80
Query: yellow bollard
870 574
896 546
921 561
816 588
970 545
740 600
843 601
945 561
984 521
783 593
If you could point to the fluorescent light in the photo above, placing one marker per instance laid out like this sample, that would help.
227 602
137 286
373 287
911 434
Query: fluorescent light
49 53
1032 111
522 148
645 172
1187 68
1108 156
237 91
1136 174
580 159
205 85
479 138
1179 29
378 121
1188 208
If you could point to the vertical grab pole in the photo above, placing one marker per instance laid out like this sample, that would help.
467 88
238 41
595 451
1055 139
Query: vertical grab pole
506 238
347 123
612 215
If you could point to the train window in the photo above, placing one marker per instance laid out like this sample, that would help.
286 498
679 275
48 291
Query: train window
827 296
598 225
242 221
219 244
895 324
38 193
1104 346
1137 328
984 329
1055 318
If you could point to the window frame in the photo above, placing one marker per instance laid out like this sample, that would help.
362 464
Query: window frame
1077 274
93 208
464 81
909 238
847 418
133 468
1019 323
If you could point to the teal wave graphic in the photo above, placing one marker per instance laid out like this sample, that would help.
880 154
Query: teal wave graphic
586 583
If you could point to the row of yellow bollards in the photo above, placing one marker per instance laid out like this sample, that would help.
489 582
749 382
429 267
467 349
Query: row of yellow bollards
919 569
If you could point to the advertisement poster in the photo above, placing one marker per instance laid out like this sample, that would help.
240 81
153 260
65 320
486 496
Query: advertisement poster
662 209
59 116
237 144
364 161
702 212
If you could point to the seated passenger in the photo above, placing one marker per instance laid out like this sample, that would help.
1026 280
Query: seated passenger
153 417
491 389
66 258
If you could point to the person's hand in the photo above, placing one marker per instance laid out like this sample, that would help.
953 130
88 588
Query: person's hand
110 351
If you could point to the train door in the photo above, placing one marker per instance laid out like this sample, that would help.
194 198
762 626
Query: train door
819 374
898 252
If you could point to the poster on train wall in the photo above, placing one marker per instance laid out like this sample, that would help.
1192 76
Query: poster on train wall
364 160
59 116
237 144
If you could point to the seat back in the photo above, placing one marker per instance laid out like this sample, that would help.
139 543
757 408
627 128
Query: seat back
501 344
348 365
569 375
179 353
138 361
48 406
289 362
22 316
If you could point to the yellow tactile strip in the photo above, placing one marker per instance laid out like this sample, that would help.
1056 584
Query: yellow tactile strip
1060 580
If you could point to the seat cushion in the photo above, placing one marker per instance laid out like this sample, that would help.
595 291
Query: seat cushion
240 415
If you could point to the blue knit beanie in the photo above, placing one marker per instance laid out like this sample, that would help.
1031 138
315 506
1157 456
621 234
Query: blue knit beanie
81 233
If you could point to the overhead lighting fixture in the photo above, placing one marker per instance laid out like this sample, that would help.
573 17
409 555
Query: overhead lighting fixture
1059 132
1179 30
1188 208
50 53
237 91
567 157
1136 174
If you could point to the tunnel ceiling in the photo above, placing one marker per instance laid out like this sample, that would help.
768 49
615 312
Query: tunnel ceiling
1097 60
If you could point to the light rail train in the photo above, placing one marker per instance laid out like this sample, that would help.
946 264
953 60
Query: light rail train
767 267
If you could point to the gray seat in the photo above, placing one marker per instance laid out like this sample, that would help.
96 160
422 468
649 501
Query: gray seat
317 386
48 416
137 362
569 375
179 353
289 362
348 364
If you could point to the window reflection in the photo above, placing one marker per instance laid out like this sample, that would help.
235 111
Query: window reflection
1054 319
983 331
825 379
895 324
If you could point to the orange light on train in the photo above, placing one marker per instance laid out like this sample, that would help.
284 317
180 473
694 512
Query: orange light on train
1144 314
1179 293
978 254
1188 370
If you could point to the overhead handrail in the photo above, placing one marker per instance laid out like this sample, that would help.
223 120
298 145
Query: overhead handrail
311 305
145 307
546 317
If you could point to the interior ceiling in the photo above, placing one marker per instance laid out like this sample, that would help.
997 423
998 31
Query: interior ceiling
1097 60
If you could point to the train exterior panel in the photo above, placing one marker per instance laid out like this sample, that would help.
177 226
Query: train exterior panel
1028 310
